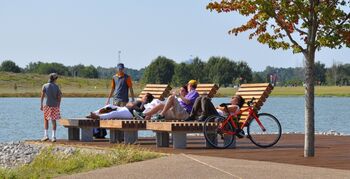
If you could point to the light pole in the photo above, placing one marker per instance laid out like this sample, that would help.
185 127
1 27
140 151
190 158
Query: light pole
119 52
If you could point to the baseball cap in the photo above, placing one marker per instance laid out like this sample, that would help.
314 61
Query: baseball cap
120 66
192 82
52 77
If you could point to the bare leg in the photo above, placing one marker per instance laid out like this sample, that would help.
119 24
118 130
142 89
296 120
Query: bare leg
46 124
154 110
168 105
54 125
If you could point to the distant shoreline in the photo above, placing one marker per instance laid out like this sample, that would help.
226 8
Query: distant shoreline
29 85
220 94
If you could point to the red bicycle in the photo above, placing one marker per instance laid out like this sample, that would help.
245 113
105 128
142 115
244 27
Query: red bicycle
263 129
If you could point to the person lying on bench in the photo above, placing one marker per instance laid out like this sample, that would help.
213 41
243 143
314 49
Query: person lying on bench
111 111
153 109
205 108
176 107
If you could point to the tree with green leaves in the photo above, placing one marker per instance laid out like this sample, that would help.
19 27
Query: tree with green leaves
305 26
320 73
197 70
161 70
181 74
9 66
221 70
244 72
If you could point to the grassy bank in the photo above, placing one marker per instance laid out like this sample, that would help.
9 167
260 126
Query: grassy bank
29 85
340 91
48 165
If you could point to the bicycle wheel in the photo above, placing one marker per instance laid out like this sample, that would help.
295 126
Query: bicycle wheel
215 135
266 138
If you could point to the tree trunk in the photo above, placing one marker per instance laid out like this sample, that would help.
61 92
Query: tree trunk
309 146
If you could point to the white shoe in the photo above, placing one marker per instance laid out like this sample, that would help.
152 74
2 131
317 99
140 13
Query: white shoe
53 139
45 138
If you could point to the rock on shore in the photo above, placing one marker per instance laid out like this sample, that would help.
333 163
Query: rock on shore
13 154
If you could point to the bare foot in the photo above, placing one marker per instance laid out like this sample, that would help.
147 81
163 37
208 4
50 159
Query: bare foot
94 116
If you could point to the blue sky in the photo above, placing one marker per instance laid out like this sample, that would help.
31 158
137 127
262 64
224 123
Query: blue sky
92 32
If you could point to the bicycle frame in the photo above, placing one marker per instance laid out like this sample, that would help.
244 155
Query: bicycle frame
251 116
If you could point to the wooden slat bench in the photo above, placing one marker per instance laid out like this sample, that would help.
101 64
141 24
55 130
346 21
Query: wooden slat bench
260 91
180 129
123 129
86 125
120 129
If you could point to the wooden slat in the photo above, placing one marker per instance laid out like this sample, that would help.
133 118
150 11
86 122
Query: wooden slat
207 86
79 122
252 89
254 85
157 85
154 89
152 92
188 127
251 93
125 124
159 91
159 126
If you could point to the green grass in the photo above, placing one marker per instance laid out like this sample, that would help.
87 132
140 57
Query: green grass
29 85
343 91
48 165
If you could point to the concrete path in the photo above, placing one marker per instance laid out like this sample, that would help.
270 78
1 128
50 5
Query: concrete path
193 166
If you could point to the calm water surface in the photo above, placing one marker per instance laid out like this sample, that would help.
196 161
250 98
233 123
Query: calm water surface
21 118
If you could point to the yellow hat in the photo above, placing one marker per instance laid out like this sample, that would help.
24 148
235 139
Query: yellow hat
192 82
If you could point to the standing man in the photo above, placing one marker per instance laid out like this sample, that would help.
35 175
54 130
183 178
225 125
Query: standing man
51 109
121 83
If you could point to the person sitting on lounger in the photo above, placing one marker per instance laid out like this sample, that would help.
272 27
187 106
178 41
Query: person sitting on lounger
110 111
156 106
205 108
177 109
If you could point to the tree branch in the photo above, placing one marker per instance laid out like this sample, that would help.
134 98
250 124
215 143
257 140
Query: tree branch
299 30
288 34
333 29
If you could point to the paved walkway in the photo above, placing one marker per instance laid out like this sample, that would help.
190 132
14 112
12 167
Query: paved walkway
193 166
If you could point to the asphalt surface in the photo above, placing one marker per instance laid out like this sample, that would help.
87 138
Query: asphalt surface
194 166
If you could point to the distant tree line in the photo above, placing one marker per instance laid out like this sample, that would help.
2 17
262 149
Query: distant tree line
75 71
337 74
219 70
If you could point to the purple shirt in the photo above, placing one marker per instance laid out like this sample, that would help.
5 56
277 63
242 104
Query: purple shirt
192 95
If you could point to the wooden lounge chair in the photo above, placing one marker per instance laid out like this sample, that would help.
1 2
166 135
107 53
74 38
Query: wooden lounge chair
260 91
120 129
177 128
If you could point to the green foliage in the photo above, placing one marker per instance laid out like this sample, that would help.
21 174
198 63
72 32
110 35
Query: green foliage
47 68
320 73
89 72
109 72
49 164
338 74
196 70
182 74
221 70
292 24
244 72
9 66
161 70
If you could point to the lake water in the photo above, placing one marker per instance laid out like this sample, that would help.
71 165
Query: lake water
21 118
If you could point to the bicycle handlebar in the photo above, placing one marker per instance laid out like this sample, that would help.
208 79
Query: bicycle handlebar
251 102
